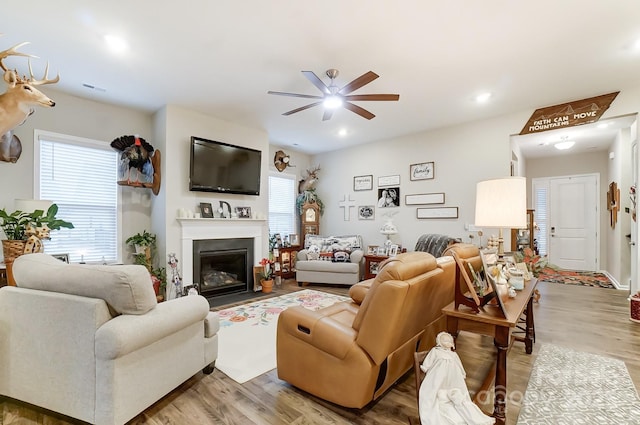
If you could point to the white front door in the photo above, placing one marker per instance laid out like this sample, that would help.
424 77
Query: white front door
573 218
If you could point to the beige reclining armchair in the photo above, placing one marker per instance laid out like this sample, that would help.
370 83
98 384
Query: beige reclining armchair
350 354
90 342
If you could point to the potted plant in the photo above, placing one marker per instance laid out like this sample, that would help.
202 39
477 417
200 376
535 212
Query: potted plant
15 225
142 241
266 275
144 244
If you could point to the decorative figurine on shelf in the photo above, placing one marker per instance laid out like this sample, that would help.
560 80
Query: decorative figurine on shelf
175 290
443 395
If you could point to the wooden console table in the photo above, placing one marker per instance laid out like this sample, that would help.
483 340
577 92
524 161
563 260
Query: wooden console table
490 321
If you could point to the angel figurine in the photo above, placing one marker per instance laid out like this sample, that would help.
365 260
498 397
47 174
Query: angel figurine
443 397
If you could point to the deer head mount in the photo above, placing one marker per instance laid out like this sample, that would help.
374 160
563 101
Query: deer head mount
309 181
18 101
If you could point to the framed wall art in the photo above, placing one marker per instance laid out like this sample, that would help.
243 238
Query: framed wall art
438 212
389 180
424 198
388 197
421 171
366 212
363 183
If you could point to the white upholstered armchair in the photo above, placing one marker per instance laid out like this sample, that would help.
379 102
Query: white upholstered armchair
91 342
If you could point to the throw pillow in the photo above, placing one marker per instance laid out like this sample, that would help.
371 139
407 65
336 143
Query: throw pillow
313 252
341 257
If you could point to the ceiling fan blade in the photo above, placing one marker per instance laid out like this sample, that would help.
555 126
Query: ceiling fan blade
372 97
328 113
358 110
311 76
302 108
306 96
365 78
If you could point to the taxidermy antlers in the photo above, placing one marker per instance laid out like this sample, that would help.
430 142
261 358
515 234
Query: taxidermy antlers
308 182
17 102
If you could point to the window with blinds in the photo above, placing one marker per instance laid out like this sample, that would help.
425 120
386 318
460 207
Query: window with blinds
541 200
79 175
282 204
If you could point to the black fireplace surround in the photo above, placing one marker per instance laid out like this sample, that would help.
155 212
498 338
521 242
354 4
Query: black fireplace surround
223 266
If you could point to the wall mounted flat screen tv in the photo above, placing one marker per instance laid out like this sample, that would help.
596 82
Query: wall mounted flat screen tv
221 167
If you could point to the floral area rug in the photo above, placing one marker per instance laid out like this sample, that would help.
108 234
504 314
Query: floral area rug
569 387
572 277
247 336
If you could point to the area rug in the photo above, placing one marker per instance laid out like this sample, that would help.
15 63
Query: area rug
247 336
570 387
572 277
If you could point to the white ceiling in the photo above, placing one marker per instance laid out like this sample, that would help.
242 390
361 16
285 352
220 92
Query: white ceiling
221 58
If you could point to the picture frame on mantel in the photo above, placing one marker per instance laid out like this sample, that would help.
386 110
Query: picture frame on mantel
206 210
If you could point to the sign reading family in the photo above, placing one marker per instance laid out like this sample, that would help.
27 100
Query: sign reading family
570 114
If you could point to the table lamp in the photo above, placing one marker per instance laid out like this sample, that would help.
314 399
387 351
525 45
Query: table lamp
501 203
388 229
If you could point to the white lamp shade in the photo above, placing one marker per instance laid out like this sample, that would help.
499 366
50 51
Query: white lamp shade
502 203
31 205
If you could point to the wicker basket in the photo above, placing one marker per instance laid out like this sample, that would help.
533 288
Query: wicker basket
12 249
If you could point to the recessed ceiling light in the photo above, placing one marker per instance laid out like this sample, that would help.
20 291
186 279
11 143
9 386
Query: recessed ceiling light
564 145
483 97
342 132
603 125
115 43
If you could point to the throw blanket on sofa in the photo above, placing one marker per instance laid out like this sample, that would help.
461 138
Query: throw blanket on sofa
435 244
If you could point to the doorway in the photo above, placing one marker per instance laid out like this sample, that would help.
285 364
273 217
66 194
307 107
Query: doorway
568 216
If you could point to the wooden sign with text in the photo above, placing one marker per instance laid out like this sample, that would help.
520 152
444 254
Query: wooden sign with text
570 114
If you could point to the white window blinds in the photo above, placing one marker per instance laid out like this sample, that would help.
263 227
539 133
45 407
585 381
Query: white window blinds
80 176
282 204
541 217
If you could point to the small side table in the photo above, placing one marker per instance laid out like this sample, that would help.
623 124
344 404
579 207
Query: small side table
371 264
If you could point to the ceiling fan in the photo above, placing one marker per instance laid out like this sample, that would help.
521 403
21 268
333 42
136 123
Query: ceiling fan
334 97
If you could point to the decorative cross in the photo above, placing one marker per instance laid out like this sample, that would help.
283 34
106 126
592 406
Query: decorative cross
347 203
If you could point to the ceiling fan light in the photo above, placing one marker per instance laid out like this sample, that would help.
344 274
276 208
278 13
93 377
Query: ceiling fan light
564 145
332 102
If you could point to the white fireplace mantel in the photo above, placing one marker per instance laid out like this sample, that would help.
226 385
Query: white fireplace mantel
217 228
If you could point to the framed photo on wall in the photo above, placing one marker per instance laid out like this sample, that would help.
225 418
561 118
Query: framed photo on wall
388 197
421 171
363 183
389 180
366 212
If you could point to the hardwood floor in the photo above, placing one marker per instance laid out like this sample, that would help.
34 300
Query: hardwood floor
583 318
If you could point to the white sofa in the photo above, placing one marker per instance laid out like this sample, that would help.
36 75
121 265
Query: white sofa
323 260
90 342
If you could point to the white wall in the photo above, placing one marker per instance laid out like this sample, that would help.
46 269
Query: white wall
463 155
178 125
83 118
